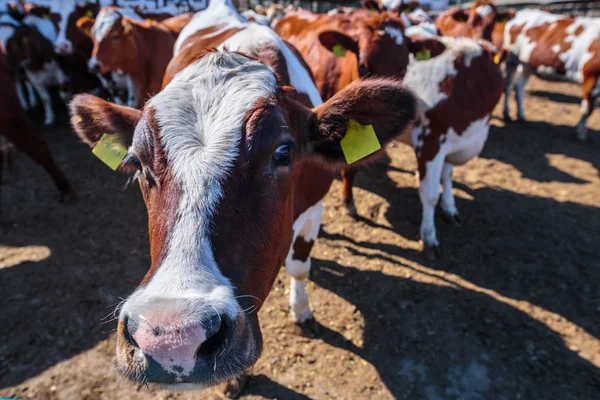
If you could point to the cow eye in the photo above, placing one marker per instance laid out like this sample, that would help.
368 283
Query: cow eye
282 155
116 37
136 163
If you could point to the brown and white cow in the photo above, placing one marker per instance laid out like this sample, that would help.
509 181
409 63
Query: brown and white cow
458 87
225 157
553 47
17 129
125 42
478 23
29 50
374 44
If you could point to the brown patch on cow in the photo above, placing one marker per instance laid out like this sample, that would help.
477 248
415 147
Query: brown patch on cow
302 250
177 23
472 94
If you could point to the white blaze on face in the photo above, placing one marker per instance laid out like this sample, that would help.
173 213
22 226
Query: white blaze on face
200 116
484 11
106 19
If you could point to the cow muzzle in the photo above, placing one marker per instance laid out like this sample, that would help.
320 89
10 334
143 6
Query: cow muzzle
167 345
94 65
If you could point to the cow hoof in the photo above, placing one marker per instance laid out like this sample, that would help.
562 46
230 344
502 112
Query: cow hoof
351 210
433 252
309 328
236 386
452 219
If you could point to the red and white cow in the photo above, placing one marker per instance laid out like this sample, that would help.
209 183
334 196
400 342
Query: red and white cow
458 86
125 42
553 47
28 49
482 21
226 158
17 129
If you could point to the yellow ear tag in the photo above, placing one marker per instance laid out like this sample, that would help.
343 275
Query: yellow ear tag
423 55
359 142
89 13
338 50
110 150
46 16
497 58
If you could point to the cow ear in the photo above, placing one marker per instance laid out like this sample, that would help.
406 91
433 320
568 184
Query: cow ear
372 5
460 16
358 121
424 49
338 43
94 119
85 25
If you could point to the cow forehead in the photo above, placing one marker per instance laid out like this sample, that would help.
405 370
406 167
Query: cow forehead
201 112
107 17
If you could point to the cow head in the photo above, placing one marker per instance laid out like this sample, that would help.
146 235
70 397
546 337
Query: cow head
214 154
112 33
378 41
72 39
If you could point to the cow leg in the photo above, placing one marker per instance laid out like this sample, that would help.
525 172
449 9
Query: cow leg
520 84
447 203
429 193
347 183
590 93
132 100
509 83
21 95
64 86
306 229
38 84
31 143
33 101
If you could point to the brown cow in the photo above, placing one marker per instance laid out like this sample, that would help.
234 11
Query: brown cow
141 48
553 47
374 42
17 129
478 23
221 155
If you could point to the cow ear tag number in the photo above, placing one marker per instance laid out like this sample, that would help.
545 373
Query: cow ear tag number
110 150
359 142
423 55
338 50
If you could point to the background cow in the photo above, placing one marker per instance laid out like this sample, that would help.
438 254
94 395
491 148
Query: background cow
552 47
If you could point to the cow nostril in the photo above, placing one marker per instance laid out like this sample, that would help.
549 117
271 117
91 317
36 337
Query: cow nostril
127 334
216 333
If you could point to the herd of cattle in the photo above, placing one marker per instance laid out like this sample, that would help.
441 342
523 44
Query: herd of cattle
224 125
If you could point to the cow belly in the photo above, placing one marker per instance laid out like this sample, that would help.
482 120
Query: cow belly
469 144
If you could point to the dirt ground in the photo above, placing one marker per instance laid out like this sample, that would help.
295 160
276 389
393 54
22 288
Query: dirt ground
512 310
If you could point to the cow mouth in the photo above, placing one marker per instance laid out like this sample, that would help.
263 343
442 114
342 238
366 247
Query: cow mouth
227 354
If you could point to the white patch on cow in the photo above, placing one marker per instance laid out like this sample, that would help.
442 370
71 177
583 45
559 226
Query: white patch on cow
6 30
484 10
424 77
307 227
419 15
545 70
528 19
556 48
424 29
256 35
405 20
50 74
43 25
106 19
447 202
395 33
218 12
200 114
258 18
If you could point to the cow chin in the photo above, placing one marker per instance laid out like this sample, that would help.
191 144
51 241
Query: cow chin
241 345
